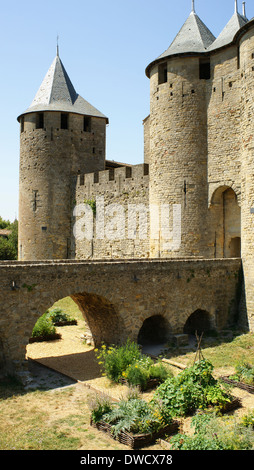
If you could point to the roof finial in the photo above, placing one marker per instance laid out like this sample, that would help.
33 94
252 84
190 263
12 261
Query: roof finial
236 7
244 9
57 46
193 6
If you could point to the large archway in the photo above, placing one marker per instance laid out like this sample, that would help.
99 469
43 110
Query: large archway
68 352
155 330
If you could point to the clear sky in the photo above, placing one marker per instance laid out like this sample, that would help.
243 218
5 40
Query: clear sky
105 46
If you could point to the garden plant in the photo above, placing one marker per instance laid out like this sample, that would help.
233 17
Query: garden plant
127 363
193 388
132 414
214 433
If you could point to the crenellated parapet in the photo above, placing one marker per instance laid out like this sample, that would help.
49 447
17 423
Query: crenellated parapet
132 174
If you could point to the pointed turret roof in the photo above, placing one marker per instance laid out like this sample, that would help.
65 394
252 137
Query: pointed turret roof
57 93
227 35
193 37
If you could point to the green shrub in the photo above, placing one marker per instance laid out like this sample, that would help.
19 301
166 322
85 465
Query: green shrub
141 371
57 315
115 360
213 433
129 363
137 374
244 373
44 327
194 388
159 371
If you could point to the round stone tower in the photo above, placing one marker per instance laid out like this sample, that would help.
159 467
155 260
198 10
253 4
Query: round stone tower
178 141
61 135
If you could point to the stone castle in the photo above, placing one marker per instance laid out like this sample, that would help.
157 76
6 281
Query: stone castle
198 158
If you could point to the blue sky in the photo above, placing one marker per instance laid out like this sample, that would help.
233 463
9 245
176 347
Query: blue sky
105 46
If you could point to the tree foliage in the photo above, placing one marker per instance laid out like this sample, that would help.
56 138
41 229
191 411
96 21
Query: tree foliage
9 246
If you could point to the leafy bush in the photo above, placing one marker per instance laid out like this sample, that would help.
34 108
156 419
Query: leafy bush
129 363
144 369
213 433
57 315
244 373
44 327
137 374
115 360
194 388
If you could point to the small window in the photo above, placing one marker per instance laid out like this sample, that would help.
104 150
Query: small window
64 121
39 121
204 69
163 73
87 124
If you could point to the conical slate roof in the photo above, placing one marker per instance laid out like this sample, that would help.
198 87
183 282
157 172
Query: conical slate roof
57 93
194 36
227 35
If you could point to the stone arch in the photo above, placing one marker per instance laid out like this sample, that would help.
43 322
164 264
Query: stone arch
216 192
100 314
226 222
154 330
199 321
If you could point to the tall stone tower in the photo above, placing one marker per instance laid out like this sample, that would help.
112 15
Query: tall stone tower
178 136
61 135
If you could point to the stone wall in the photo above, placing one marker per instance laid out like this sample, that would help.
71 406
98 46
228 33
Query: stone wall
117 193
247 168
116 297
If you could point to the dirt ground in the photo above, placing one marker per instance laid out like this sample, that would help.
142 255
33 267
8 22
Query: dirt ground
69 360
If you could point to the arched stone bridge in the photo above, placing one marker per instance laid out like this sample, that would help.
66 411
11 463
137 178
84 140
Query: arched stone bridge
116 297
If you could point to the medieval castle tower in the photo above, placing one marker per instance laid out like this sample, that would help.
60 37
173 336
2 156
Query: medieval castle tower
198 159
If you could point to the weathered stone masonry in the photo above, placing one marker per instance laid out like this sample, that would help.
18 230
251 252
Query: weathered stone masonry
116 297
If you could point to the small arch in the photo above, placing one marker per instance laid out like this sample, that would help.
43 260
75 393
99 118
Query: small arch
155 330
199 321
216 194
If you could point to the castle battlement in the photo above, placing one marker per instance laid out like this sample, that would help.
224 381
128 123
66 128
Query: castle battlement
113 175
